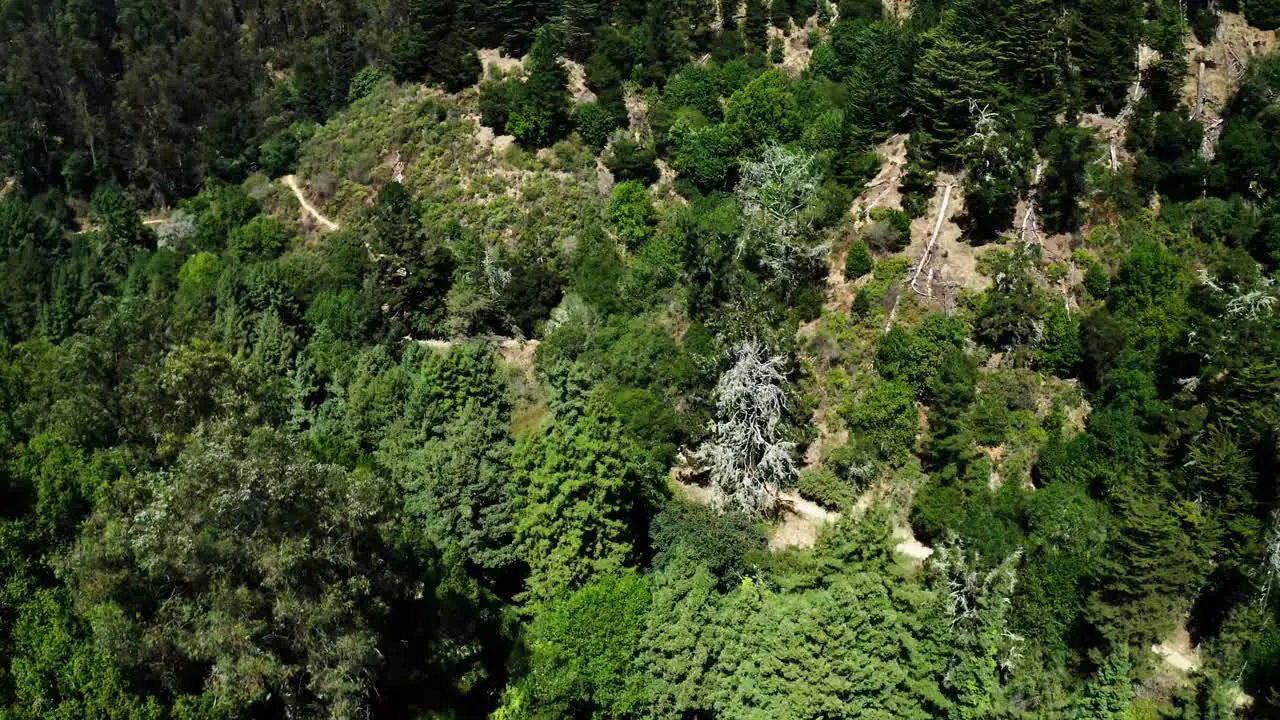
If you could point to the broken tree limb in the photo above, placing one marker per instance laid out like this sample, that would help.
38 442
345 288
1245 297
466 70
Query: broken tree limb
937 227
1198 111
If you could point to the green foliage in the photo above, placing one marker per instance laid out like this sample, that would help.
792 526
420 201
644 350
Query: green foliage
630 159
540 114
858 261
725 544
762 111
632 214
1263 14
581 649
884 420
706 155
914 356
588 493
595 123
889 230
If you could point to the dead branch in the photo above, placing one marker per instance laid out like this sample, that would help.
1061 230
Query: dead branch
937 227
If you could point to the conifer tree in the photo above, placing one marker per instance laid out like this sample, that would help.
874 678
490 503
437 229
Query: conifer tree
747 456
540 115
949 76
755 26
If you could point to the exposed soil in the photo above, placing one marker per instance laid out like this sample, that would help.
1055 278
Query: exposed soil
493 59
1178 651
291 181
795 45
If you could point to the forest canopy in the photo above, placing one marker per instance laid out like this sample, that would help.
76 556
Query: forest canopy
545 359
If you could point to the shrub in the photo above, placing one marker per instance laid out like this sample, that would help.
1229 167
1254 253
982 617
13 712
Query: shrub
496 100
705 155
858 262
1204 23
631 212
628 159
884 420
594 123
889 230
825 488
776 51
723 543
365 82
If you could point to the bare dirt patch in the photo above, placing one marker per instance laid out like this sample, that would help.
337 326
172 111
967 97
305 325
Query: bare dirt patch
291 181
1177 650
795 45
909 545
578 82
492 59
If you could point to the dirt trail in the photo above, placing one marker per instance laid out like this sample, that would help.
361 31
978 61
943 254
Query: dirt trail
1178 651
292 182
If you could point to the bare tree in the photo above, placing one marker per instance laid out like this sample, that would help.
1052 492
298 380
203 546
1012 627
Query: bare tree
775 192
747 458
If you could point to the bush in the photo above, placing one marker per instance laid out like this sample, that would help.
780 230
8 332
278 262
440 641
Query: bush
776 51
631 212
365 82
724 543
594 123
889 231
1204 23
1263 14
628 159
858 262
279 155
1097 281
884 420
825 488
496 100
705 155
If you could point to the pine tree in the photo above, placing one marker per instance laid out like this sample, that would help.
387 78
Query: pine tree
755 26
1105 50
540 115
1109 694
950 75
588 490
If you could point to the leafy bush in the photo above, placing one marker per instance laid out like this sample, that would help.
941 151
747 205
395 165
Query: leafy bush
724 543
859 261
594 123
889 230
884 419
631 212
629 159
365 82
825 488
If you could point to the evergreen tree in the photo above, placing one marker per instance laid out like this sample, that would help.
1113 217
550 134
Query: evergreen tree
755 26
588 492
540 115
1105 50
950 75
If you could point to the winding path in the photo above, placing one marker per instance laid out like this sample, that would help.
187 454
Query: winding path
292 182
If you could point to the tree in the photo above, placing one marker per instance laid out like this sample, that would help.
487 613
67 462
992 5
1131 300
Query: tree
997 172
631 211
762 112
755 25
583 648
859 261
588 494
704 154
747 456
540 114
1106 52
950 75
1069 150
775 191
251 576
